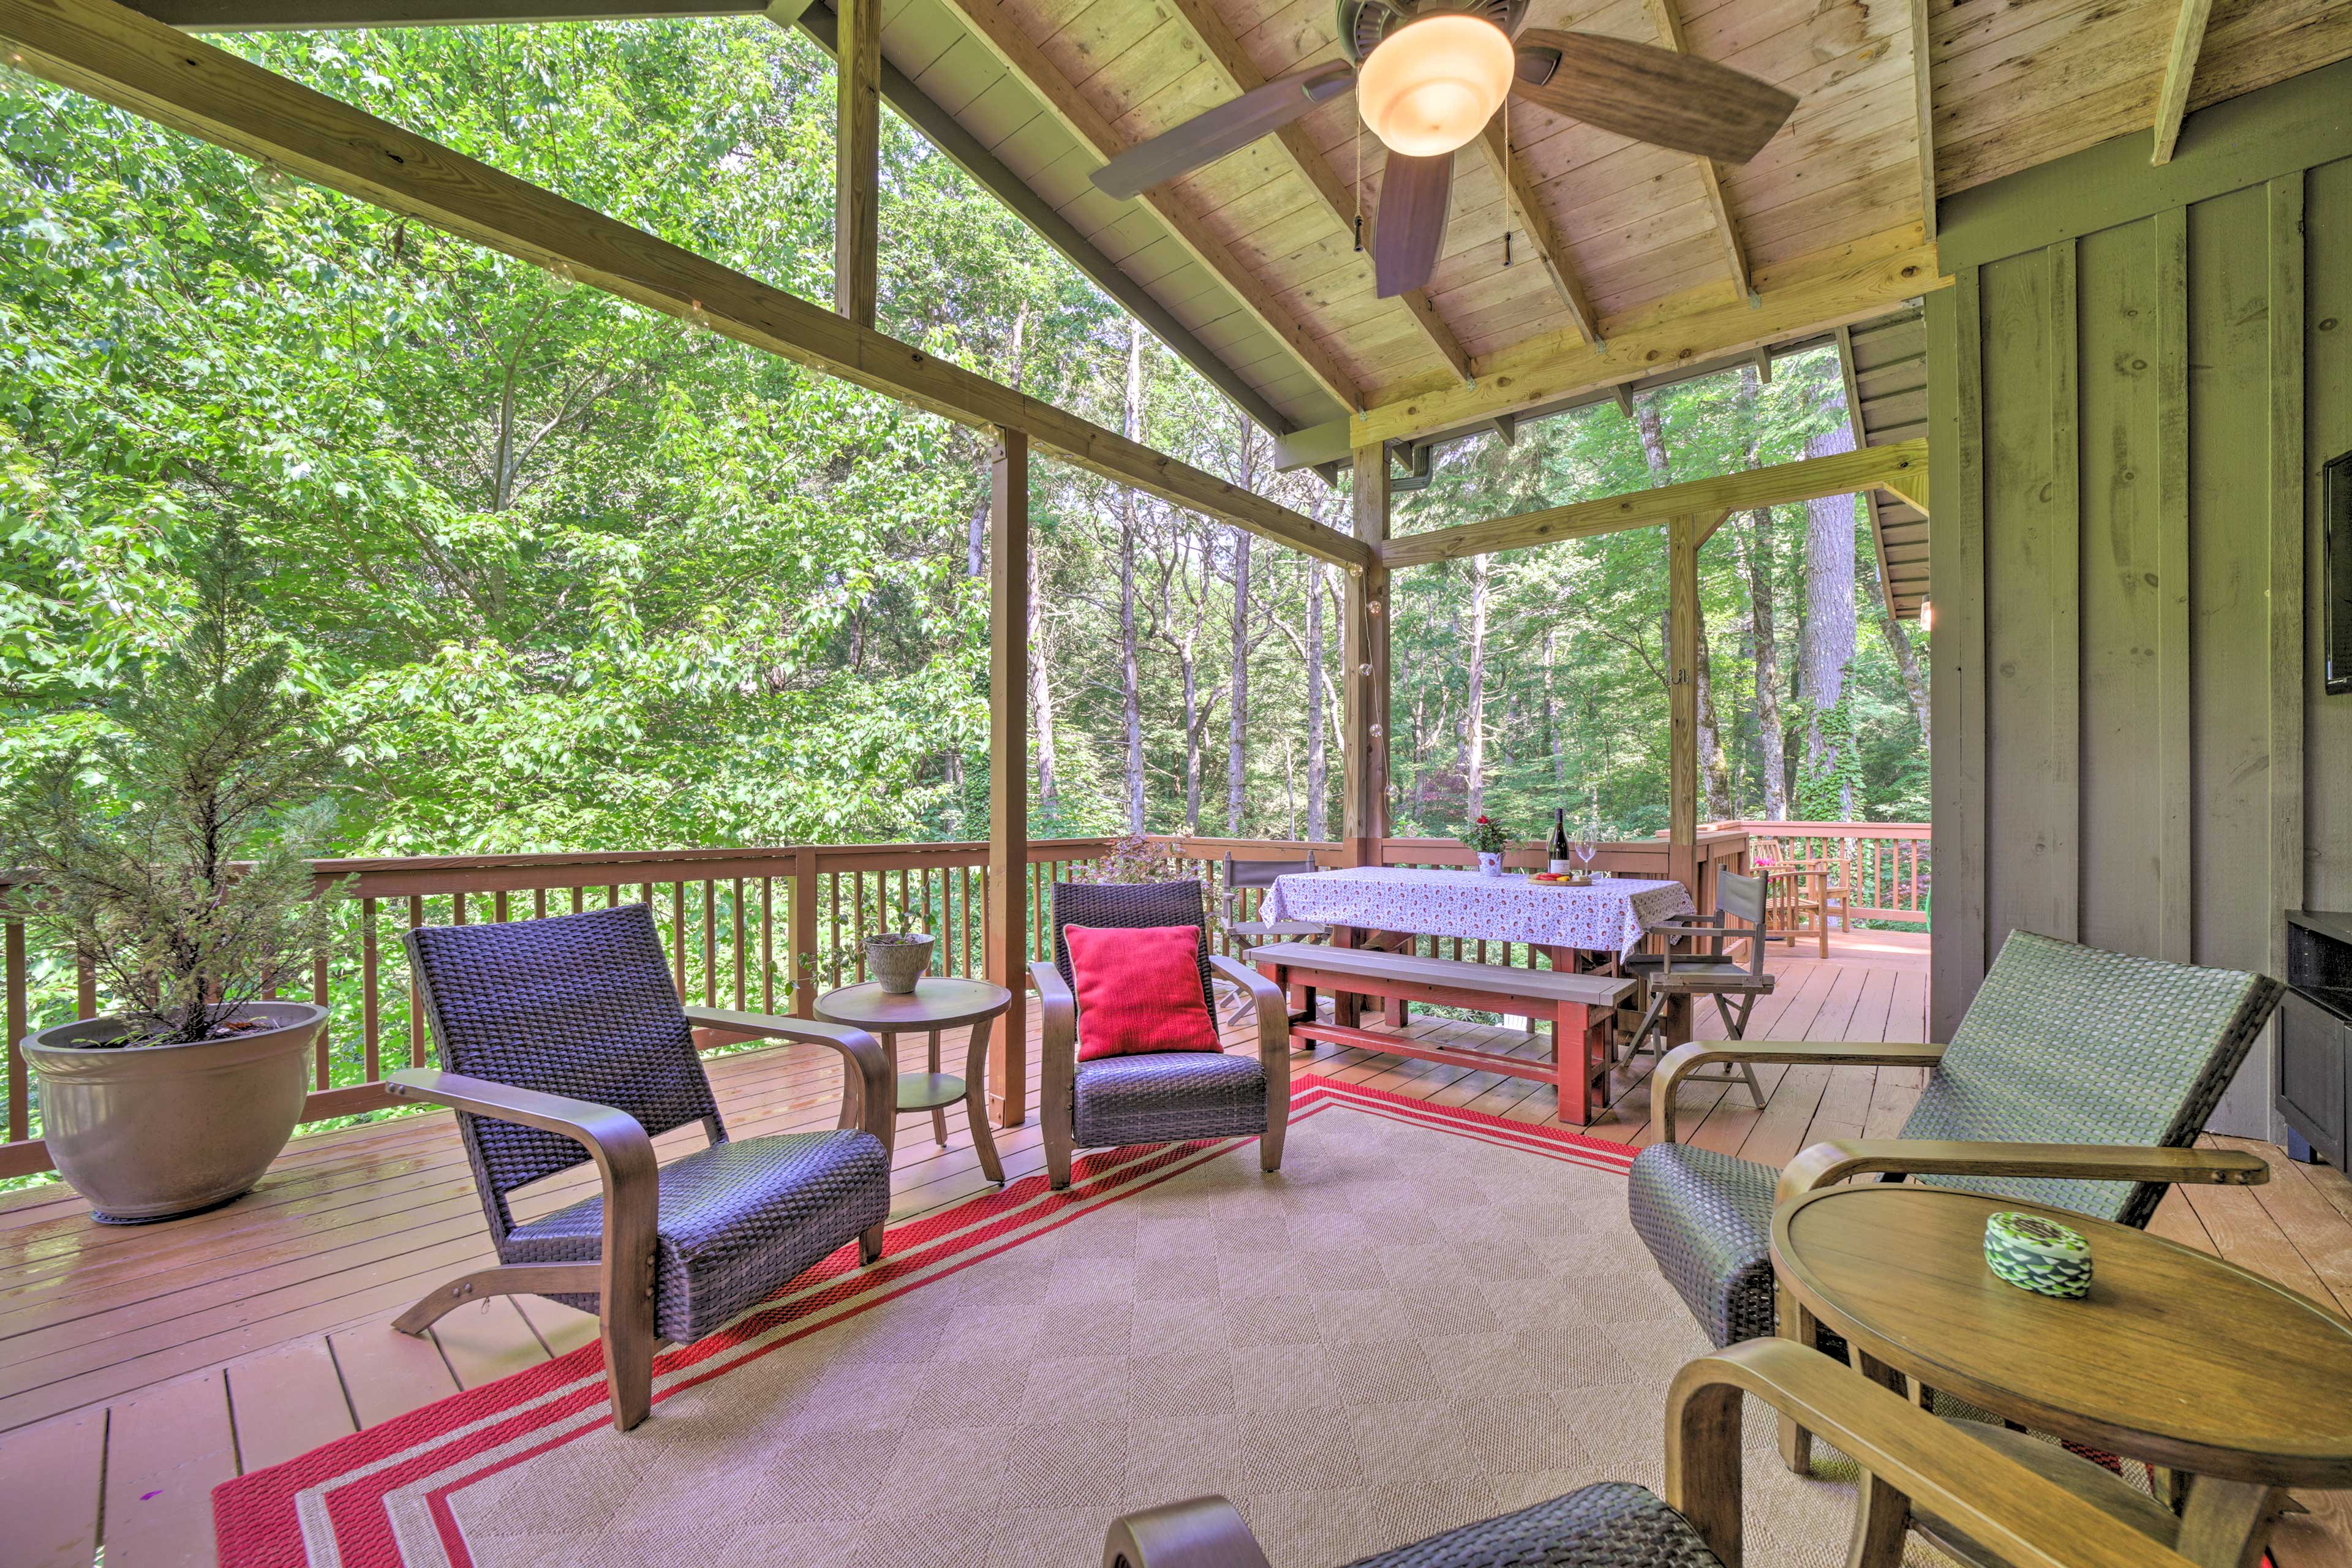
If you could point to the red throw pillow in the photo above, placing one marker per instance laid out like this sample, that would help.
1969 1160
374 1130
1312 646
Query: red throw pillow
1139 990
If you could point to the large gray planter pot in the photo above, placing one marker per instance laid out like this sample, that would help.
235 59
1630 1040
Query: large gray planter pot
148 1133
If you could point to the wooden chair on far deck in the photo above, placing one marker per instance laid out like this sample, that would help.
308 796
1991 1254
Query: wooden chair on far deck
1690 970
1912 1463
561 1042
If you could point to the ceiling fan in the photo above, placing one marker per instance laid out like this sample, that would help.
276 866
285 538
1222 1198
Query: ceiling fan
1429 74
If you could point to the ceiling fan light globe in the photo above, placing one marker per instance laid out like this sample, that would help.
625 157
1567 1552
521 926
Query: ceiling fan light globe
1432 84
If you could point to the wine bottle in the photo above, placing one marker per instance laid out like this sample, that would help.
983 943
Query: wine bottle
1559 852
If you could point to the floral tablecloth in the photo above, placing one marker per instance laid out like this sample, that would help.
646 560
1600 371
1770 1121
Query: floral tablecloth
1608 917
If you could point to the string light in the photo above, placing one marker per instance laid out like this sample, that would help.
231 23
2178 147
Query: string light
562 278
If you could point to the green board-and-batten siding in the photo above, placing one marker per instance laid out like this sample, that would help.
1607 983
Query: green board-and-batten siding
2132 747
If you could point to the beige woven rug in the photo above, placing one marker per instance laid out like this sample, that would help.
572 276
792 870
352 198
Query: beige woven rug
1426 1318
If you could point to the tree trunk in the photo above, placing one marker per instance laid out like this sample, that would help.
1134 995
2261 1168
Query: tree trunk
1130 686
1473 765
1825 650
1041 702
1770 743
1714 763
1237 718
1551 713
1317 768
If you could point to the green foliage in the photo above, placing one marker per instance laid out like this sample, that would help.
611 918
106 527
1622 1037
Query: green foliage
171 847
605 580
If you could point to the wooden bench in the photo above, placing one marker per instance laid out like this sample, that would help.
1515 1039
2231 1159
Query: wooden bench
1578 1007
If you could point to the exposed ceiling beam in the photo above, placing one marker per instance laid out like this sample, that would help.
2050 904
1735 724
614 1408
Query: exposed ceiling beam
1011 40
1805 295
1521 208
1670 33
1844 473
1923 113
1225 52
120 57
942 130
306 15
2179 70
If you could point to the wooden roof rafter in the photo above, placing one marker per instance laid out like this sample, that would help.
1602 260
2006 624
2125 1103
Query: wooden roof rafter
1670 35
119 55
1004 37
2179 71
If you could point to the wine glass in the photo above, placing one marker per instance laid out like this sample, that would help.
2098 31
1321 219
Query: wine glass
1587 845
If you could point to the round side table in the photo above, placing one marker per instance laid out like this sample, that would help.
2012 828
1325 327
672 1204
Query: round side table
2175 1357
937 1002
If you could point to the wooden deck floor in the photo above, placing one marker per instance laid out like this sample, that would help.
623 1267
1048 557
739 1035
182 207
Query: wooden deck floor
141 1366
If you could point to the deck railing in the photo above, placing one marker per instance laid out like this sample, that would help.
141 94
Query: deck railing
763 930
1892 863
768 929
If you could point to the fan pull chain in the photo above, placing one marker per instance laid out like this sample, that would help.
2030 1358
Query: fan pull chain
1506 179
1360 184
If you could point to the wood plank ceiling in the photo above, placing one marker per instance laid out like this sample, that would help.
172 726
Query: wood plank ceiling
1256 253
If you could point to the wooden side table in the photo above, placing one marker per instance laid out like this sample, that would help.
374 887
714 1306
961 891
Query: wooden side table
2176 1358
937 1002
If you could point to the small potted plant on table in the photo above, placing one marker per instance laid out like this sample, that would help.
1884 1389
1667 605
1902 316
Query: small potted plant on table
1488 841
182 878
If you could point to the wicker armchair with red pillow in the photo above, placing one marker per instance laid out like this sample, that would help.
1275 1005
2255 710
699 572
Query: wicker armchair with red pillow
1131 1051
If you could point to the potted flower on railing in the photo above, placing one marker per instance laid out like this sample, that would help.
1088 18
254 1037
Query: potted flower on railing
1488 841
170 852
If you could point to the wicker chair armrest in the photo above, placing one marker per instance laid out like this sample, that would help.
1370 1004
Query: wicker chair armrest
626 1166
1833 1161
869 1080
1199 1532
1057 1031
1273 1014
2020 1517
1685 1059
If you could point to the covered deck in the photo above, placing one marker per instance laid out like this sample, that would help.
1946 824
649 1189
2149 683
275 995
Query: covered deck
138 1375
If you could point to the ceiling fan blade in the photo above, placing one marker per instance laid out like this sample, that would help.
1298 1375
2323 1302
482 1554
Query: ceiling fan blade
1659 96
1211 134
1410 229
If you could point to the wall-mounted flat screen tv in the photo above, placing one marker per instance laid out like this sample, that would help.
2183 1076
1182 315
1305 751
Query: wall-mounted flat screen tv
2335 537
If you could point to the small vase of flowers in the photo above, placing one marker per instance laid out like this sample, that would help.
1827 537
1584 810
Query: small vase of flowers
1488 840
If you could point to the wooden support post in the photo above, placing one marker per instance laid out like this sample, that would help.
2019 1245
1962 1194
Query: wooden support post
858 160
1008 769
1366 643
1682 675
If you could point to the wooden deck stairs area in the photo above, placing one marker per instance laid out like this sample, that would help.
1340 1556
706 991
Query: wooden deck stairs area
141 1366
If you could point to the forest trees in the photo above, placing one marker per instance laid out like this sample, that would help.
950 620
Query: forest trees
603 580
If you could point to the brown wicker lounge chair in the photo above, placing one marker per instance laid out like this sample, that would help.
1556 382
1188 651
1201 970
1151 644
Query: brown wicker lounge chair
562 1041
1913 1462
1165 1099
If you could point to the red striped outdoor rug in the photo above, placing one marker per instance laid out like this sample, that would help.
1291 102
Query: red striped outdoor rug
1429 1316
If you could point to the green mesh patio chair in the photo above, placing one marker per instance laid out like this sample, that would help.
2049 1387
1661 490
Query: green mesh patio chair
2078 1080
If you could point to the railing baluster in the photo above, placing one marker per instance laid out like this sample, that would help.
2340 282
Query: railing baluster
742 976
19 981
710 941
767 944
538 903
319 995
457 904
85 986
676 933
499 907
415 997
371 1022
